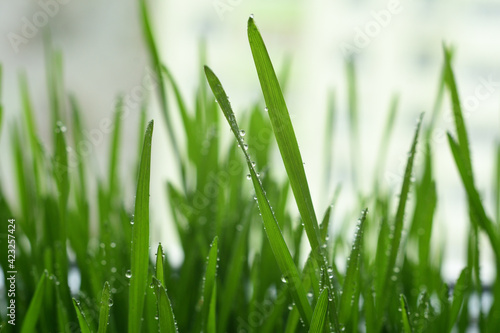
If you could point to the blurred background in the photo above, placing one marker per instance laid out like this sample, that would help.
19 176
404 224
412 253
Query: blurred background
398 50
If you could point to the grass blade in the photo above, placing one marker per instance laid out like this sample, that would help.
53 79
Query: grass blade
352 96
320 313
165 314
405 314
285 135
210 284
398 225
351 282
31 317
277 242
140 238
159 264
113 175
458 296
106 302
84 326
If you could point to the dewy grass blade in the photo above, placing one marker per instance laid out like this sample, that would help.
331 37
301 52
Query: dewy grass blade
84 326
276 240
159 264
405 314
210 283
320 313
351 282
165 314
398 224
106 303
140 238
285 135
31 317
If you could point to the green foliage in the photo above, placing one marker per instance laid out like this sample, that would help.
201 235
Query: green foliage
243 266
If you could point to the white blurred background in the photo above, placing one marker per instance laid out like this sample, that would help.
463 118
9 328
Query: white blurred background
104 55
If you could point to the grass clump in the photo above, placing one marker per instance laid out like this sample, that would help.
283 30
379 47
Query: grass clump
242 269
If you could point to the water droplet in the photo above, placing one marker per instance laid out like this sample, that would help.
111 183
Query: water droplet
113 269
110 302
245 146
128 274
131 222
242 133
254 164
251 16
249 177
284 279
266 109
113 245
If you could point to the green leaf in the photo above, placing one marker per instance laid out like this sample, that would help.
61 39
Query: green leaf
320 313
459 293
106 302
140 238
352 277
31 317
277 242
398 225
84 326
165 314
404 314
285 135
113 174
159 264
210 283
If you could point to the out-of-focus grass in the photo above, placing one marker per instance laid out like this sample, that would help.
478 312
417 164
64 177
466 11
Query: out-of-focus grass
241 270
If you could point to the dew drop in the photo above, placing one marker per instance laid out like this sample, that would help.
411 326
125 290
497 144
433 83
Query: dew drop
113 245
266 109
251 16
128 274
110 302
284 279
242 133
249 177
245 146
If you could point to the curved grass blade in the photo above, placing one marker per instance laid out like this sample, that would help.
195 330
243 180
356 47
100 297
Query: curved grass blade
31 317
106 302
140 238
277 242
320 313
404 314
285 135
84 326
351 282
165 314
398 225
474 199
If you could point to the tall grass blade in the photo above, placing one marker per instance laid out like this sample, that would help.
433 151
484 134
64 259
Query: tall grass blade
159 264
319 317
352 96
165 314
458 296
284 133
140 238
33 312
396 234
352 276
84 325
210 283
113 174
106 303
276 240
405 314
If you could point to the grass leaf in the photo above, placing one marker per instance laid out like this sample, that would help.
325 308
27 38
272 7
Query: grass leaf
31 317
405 314
165 314
285 135
277 242
84 326
140 238
320 313
104 310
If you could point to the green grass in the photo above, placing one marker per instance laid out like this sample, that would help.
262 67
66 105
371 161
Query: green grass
244 268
